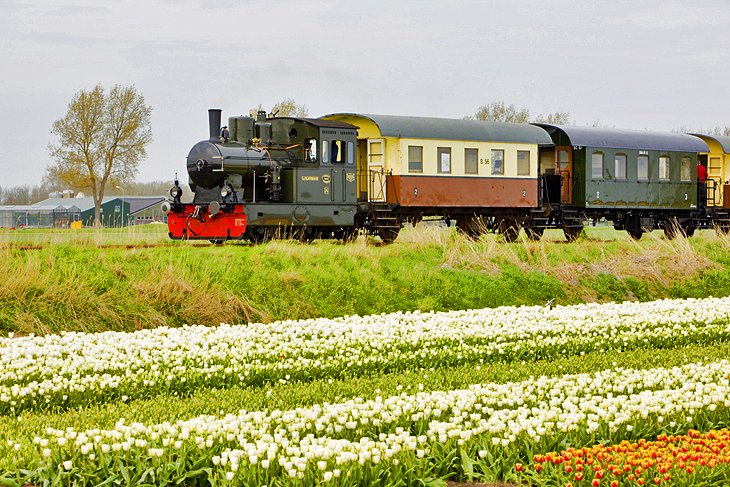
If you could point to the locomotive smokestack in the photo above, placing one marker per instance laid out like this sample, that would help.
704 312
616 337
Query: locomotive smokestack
214 122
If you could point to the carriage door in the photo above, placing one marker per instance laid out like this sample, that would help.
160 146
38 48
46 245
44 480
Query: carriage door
564 167
376 169
715 188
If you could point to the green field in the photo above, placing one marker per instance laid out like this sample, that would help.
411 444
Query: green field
127 279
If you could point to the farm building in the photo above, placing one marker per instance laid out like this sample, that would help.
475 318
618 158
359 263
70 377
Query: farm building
61 212
39 215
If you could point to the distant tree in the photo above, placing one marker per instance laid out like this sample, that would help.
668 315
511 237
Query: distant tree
288 107
17 195
557 118
725 131
499 112
102 139
150 188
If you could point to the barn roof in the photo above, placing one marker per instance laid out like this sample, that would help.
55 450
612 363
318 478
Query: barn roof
625 139
453 129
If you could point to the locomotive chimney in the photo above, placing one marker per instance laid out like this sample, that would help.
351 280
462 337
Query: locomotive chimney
214 122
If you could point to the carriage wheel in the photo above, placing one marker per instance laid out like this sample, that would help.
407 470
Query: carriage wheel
534 234
509 230
572 233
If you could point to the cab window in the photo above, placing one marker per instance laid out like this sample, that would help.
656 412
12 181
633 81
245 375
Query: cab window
337 152
351 153
325 151
310 150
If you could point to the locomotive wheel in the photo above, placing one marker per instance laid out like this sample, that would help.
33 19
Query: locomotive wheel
509 230
534 234
689 231
572 233
216 242
388 235
259 235
346 234
635 234
306 234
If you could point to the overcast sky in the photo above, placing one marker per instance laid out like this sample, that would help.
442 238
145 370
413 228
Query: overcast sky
630 64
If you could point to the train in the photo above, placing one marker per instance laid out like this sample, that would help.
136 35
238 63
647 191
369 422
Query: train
262 177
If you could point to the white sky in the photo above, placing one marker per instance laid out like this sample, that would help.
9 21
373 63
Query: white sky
630 64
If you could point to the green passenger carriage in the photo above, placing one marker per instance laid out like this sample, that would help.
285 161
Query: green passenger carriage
639 180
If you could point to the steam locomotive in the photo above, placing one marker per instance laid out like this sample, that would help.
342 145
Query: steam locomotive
336 176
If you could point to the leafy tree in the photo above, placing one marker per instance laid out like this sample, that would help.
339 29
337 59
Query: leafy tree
499 112
102 139
288 107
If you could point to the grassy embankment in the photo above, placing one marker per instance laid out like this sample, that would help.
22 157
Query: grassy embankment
136 278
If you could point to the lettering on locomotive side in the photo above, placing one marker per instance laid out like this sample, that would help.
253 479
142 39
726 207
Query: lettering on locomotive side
239 222
310 178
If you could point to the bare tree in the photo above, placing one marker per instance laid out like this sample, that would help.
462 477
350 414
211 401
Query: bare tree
102 139
17 195
557 118
724 131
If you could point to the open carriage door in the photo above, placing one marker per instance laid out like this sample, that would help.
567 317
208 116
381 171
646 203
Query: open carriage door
564 167
376 170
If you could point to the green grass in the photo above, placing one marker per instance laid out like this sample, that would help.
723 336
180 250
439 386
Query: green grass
128 279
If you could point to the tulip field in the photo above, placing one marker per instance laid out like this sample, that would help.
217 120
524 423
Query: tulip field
620 423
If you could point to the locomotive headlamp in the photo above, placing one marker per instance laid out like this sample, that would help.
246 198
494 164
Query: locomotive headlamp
176 192
225 191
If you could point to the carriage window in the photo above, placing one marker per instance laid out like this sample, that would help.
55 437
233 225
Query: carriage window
337 155
471 161
325 151
642 168
497 161
350 152
620 166
597 165
444 159
664 168
415 158
563 160
523 163
685 172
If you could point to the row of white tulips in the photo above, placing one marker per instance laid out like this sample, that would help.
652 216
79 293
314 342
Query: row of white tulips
74 369
323 441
